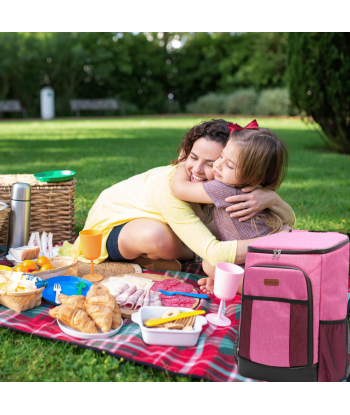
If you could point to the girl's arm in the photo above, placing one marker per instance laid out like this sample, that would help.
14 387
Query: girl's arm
258 200
184 189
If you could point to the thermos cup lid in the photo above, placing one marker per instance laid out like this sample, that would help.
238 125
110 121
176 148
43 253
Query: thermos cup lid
20 191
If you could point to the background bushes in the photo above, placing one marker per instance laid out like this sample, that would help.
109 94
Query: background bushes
319 82
245 101
148 72
274 102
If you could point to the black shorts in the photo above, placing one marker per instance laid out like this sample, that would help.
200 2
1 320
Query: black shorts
112 245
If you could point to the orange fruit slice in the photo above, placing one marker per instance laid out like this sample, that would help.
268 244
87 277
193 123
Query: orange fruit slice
42 261
20 268
46 267
29 265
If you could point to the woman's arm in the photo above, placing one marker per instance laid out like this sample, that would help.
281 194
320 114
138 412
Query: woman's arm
242 248
183 189
258 200
187 226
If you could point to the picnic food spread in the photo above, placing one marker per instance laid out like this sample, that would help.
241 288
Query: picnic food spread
133 292
98 310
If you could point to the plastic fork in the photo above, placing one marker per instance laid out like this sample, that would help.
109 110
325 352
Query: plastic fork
57 288
181 293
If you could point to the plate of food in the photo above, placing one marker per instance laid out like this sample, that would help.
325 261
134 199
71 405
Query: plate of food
96 316
68 286
88 336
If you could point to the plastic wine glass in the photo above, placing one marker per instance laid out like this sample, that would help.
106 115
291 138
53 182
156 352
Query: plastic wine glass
91 243
227 279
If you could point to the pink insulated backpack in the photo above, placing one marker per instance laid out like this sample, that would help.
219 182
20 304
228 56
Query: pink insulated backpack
294 323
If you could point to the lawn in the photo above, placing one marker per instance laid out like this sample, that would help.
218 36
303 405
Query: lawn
104 152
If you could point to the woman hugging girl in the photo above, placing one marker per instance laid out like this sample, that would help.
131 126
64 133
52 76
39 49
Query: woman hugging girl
253 156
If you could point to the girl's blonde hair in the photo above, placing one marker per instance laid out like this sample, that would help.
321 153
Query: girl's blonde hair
263 160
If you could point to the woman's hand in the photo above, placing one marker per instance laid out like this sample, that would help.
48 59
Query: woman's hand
254 201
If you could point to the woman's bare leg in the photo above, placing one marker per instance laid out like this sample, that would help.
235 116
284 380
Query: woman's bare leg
151 237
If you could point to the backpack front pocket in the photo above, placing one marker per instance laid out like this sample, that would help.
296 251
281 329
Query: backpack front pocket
333 351
277 321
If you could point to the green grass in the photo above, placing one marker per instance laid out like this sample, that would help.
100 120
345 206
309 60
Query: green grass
104 152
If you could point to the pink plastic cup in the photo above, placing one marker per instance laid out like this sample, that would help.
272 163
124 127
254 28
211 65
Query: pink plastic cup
227 279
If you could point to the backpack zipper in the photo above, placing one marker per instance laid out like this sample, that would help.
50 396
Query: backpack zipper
278 252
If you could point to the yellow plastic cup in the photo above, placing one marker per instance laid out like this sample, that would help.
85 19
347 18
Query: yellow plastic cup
91 245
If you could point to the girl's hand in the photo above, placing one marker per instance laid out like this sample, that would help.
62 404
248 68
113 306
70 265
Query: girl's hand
254 201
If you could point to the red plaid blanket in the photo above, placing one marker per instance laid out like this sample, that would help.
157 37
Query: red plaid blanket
212 358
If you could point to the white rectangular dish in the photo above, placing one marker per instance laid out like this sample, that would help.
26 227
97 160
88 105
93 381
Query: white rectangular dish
165 337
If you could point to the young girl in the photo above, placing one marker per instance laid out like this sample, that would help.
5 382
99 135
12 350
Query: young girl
253 156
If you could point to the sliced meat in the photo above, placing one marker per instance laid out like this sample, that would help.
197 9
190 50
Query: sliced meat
155 299
122 298
140 301
132 300
120 290
147 300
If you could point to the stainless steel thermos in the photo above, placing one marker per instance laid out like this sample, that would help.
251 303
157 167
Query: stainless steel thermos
19 217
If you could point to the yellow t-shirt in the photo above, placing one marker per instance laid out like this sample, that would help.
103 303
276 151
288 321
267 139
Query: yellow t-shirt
148 195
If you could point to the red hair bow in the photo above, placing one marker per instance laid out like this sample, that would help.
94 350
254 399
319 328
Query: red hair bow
253 125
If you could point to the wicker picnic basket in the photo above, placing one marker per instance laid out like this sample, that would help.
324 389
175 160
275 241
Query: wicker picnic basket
20 301
65 265
4 211
52 206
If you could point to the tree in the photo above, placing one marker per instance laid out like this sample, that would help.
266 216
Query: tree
319 82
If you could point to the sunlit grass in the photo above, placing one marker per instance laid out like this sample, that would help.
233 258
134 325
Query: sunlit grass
104 152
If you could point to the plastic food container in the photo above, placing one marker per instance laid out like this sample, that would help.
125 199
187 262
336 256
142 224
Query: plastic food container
165 337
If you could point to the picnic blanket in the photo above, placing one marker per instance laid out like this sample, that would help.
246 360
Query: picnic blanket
211 359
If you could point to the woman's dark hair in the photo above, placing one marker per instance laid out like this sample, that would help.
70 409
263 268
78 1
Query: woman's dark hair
214 130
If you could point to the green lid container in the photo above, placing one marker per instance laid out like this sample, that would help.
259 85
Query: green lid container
55 175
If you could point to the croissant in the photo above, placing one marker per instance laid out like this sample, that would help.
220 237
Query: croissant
100 306
74 301
96 290
116 317
74 317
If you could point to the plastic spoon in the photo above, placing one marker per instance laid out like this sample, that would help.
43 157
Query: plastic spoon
80 286
156 321
181 293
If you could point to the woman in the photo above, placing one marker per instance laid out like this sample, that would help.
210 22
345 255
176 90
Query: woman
140 216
